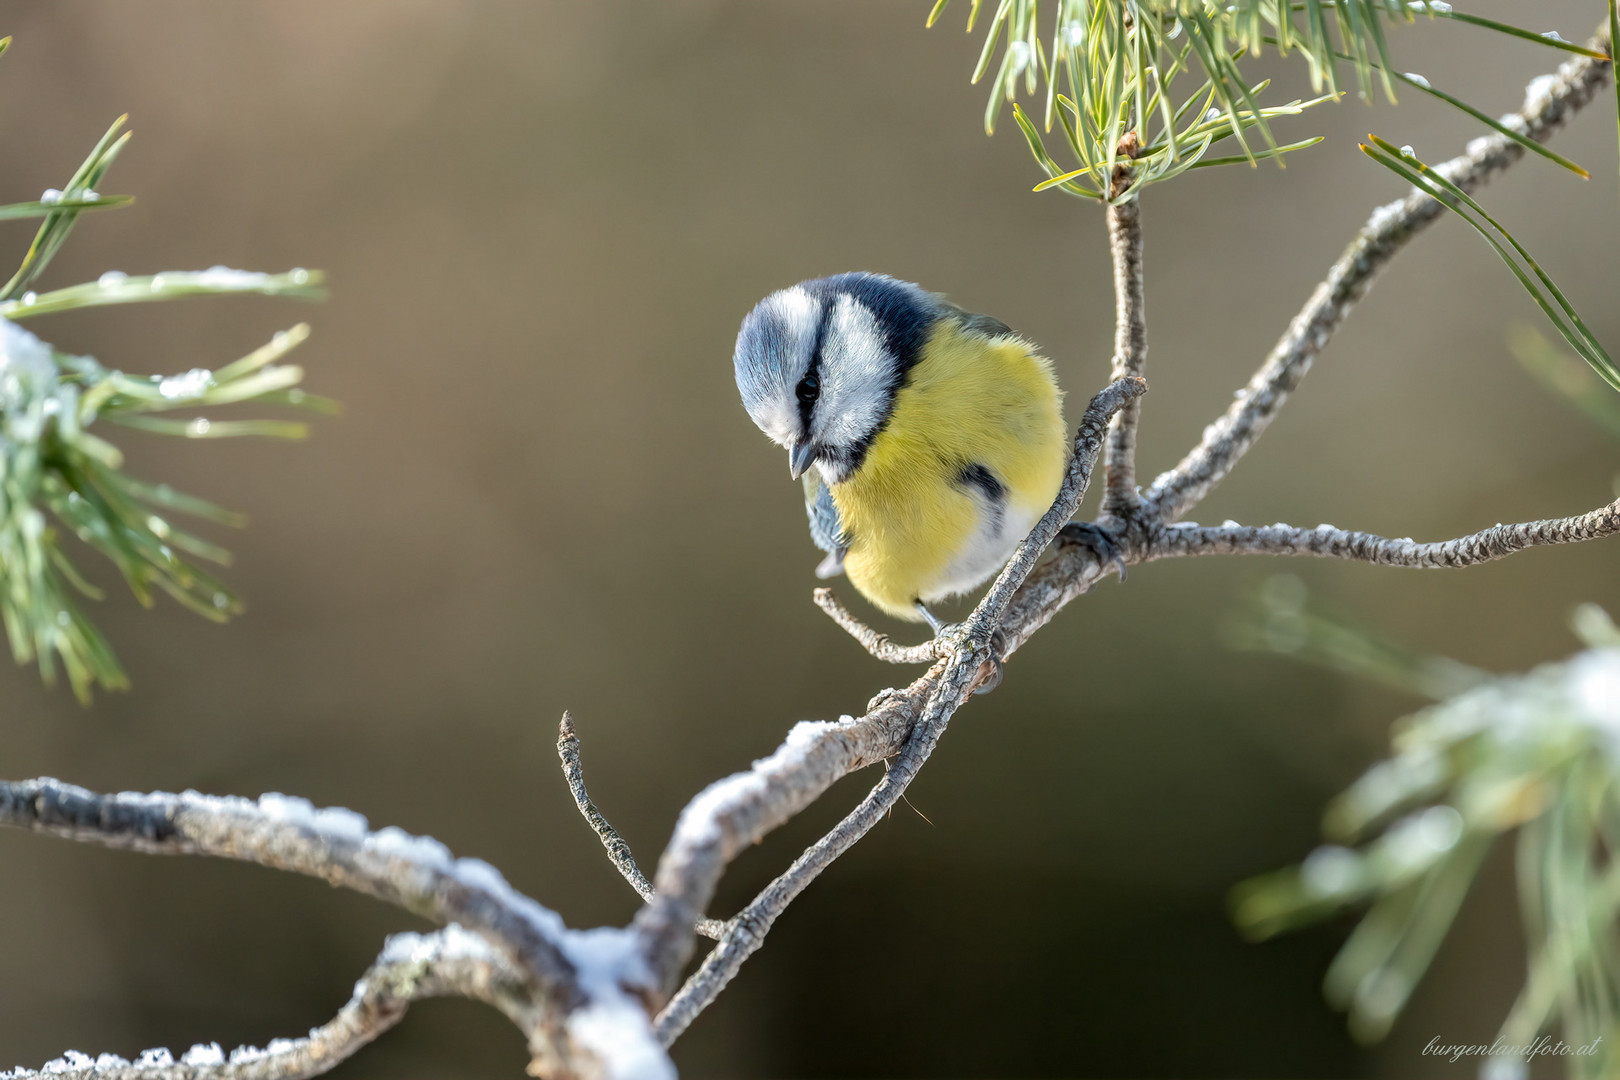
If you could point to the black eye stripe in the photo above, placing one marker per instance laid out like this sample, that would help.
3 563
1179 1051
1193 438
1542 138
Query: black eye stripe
809 388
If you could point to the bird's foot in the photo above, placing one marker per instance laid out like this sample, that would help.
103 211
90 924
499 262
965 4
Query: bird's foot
1102 543
949 635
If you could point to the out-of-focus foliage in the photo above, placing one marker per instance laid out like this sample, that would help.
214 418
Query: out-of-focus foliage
53 467
1108 67
1538 753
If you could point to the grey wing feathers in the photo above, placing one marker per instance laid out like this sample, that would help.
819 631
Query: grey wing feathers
826 527
988 325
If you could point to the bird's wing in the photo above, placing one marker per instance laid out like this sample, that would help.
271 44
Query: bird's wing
987 325
826 527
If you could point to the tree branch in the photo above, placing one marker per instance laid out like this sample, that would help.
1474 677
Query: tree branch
1120 497
1328 542
873 641
410 968
587 986
618 848
1549 102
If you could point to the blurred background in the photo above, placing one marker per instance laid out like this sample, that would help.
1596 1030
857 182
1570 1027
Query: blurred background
542 223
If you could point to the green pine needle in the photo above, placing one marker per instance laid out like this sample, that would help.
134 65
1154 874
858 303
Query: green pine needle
1547 296
59 479
1108 65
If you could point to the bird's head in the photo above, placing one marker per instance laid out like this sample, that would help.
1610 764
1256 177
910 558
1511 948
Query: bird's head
819 364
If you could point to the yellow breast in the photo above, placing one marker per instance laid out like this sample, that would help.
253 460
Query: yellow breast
970 400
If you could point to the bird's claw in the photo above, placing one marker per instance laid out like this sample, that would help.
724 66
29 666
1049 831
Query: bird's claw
998 646
1101 542
949 636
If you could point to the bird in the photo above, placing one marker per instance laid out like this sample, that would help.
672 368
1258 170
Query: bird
929 440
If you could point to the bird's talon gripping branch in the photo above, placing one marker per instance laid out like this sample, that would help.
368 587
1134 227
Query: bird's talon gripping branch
998 645
949 637
1099 540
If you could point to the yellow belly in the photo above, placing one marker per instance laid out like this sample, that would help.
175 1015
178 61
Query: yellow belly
970 400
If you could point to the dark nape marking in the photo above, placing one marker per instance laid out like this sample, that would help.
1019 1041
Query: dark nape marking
977 476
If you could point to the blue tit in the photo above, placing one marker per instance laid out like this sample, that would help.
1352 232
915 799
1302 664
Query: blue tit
930 440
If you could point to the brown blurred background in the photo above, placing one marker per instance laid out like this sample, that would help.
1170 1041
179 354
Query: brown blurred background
542 223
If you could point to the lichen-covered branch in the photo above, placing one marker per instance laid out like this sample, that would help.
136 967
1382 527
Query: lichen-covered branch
873 641
336 845
1549 102
587 987
1328 542
448 963
1120 497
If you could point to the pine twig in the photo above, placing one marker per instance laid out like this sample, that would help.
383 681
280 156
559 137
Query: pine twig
1326 541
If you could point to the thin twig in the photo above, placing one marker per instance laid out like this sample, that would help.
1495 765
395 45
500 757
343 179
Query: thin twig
1120 497
740 809
618 848
1328 542
410 968
873 641
1548 105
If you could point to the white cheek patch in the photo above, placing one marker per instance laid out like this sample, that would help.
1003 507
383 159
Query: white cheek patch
858 377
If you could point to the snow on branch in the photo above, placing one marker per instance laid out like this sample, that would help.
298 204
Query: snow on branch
449 963
588 1017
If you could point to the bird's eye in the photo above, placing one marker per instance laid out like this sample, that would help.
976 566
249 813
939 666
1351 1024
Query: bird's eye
809 389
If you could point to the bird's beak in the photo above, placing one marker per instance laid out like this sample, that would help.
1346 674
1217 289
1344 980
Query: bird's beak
800 457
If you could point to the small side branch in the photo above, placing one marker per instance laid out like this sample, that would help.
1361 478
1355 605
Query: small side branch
411 967
1548 104
873 641
618 848
1328 542
1120 498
